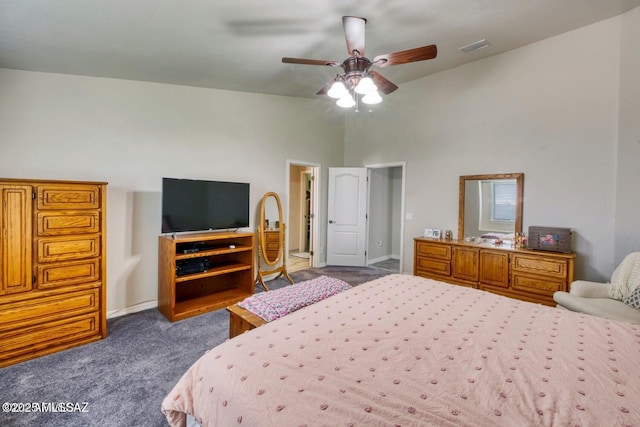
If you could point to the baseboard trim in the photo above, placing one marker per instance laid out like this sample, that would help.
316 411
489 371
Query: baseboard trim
132 309
379 259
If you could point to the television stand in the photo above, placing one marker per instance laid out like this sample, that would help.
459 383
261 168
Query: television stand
227 280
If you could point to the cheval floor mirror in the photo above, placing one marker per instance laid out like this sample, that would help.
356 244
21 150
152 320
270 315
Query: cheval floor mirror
270 233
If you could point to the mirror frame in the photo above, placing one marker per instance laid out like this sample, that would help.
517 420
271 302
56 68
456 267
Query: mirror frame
262 252
519 177
280 229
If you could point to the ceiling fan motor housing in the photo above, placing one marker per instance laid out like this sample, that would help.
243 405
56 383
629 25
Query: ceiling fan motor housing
354 68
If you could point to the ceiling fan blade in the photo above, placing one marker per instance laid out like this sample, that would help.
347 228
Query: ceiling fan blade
406 56
310 62
384 85
326 87
354 34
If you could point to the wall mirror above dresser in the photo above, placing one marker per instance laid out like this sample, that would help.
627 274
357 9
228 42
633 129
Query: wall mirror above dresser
271 235
490 205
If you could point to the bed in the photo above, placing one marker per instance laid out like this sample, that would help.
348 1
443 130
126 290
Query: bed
409 351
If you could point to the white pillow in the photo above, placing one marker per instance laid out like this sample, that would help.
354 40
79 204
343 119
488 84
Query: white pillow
626 278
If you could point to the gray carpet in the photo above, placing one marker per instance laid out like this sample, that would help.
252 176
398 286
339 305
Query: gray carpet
124 378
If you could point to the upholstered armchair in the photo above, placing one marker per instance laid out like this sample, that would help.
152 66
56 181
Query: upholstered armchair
617 300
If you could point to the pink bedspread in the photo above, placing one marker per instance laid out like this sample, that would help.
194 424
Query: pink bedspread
408 351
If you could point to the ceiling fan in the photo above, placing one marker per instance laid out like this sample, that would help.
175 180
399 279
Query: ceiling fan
358 76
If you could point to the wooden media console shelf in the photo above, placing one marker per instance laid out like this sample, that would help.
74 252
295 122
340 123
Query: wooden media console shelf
203 272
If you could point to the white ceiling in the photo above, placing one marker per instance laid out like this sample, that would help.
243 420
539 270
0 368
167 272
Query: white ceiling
238 45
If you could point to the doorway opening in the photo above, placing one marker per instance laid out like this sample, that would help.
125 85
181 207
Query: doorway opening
302 206
385 228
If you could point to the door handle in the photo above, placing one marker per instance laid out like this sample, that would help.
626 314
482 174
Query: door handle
330 221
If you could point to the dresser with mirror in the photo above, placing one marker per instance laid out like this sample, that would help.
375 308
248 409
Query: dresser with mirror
485 255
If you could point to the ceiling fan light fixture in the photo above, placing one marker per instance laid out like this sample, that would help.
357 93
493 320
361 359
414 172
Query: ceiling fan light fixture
365 86
372 98
346 101
338 90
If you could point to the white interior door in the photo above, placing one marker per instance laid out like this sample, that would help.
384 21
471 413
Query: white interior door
346 212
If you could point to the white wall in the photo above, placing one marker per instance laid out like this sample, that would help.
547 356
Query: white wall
131 134
627 224
549 110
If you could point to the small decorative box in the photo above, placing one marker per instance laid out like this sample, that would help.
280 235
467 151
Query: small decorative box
551 239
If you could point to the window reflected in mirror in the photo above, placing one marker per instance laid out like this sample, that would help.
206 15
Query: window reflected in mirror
497 202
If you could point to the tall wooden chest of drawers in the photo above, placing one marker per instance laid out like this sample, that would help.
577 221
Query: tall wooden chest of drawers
518 273
52 266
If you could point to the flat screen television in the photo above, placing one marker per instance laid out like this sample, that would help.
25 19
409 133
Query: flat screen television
197 205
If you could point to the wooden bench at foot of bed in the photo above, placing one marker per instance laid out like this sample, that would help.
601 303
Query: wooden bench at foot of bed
241 320
279 302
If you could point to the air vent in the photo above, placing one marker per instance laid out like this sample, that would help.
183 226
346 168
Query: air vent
480 44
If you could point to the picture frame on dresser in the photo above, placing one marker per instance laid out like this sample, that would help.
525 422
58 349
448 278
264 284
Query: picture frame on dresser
432 233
